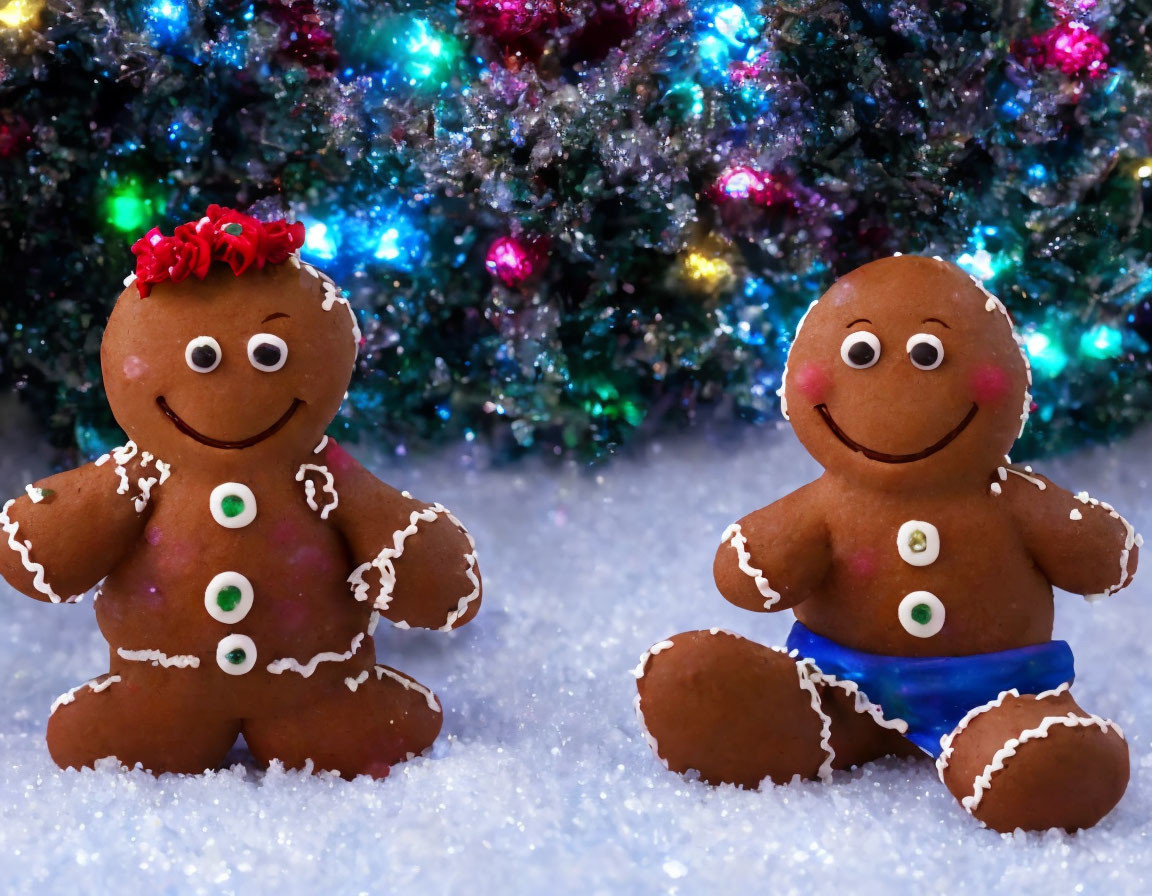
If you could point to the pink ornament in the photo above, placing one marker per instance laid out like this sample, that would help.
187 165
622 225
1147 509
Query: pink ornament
510 20
511 261
1072 47
747 184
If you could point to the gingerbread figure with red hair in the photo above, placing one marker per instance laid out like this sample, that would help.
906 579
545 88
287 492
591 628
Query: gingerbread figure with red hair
244 559
920 567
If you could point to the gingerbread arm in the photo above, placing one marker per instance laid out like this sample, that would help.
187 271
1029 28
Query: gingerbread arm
773 558
414 561
1080 544
67 532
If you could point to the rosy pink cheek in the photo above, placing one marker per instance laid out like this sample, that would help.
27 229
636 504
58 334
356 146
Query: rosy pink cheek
134 367
989 383
862 563
813 381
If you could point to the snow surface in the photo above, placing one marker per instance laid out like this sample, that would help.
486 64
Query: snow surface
542 781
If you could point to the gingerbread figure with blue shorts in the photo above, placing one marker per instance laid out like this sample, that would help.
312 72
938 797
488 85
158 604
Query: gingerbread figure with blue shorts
920 567
245 558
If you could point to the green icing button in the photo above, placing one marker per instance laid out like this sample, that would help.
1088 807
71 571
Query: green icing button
921 614
236 656
232 505
228 598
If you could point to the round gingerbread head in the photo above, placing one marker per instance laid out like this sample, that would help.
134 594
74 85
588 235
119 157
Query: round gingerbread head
907 372
224 341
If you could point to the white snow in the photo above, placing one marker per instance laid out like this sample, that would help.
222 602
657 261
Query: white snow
542 781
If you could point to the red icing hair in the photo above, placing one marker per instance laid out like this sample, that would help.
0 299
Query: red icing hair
223 234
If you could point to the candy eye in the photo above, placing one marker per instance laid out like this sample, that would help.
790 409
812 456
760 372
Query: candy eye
203 354
925 351
860 350
267 352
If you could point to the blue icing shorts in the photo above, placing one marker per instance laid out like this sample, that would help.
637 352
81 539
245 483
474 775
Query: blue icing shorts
933 693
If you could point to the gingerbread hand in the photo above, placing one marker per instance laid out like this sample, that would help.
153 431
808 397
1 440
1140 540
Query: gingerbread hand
773 558
1080 544
418 562
70 530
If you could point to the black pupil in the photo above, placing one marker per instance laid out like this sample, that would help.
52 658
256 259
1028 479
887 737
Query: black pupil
266 354
861 353
924 354
203 356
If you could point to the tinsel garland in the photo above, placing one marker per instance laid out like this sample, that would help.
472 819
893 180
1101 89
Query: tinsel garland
564 225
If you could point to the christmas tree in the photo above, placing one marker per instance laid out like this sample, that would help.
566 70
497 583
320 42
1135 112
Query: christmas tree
564 225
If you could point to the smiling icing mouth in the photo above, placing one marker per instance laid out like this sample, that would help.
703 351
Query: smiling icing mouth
884 458
222 443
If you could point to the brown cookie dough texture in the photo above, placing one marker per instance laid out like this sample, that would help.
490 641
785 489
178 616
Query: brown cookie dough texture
245 559
920 539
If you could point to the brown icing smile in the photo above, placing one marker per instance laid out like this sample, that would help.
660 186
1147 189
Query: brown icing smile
221 443
894 458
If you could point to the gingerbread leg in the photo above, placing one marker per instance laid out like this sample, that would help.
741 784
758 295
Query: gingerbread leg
373 720
160 725
1035 762
737 712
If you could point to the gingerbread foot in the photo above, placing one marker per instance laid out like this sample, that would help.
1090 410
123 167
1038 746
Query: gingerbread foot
164 729
1035 762
375 719
732 710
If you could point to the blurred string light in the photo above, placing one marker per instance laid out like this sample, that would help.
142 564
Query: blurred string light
130 208
381 235
1144 169
1047 357
166 20
428 54
20 13
727 38
1102 342
985 258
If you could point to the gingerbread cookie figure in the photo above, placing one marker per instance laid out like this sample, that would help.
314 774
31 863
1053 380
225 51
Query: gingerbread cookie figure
246 558
920 567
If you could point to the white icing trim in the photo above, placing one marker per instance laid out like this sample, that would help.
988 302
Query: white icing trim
333 296
410 684
158 658
861 704
95 687
807 683
1055 692
1039 483
994 304
735 537
983 781
129 280
995 488
329 488
946 748
120 457
784 376
290 664
35 495
656 648
648 738
354 683
1075 515
384 563
24 549
1131 538
323 444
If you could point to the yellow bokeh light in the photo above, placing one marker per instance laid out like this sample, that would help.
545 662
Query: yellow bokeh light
1145 169
18 13
706 268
